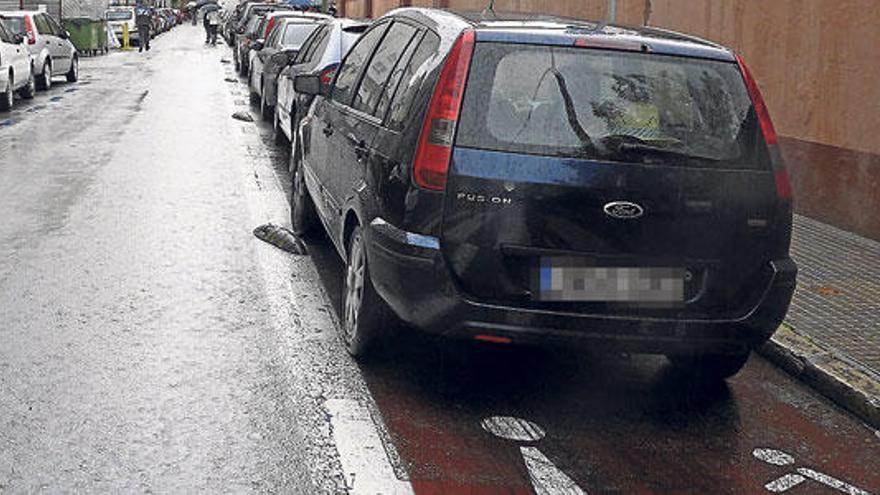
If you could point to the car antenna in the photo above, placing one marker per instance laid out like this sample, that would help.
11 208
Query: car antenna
489 8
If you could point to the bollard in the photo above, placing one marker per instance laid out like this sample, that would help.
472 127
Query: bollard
125 42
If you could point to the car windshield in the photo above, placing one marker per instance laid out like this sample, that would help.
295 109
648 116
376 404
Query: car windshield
14 24
118 15
296 34
609 105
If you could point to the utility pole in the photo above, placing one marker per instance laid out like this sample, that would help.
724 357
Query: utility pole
612 11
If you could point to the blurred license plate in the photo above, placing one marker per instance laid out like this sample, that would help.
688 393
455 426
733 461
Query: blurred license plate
561 279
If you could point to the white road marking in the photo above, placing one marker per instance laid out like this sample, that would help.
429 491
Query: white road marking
511 428
547 479
790 480
365 463
773 456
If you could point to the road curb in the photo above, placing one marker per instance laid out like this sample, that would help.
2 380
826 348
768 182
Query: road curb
846 382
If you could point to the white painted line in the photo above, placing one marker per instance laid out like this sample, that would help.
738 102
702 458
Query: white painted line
773 456
791 480
510 428
547 479
365 463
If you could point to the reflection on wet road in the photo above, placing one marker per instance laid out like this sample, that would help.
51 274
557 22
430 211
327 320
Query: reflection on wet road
149 342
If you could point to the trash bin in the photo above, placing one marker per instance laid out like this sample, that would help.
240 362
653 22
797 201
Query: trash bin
87 35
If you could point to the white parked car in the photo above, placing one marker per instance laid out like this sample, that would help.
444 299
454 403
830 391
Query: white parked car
16 69
48 44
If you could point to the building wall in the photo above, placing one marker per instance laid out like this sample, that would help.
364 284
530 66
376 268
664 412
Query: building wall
817 63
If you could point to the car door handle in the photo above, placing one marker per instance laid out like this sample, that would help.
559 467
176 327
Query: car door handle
360 151
328 131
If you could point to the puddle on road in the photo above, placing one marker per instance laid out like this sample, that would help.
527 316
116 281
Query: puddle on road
56 98
281 238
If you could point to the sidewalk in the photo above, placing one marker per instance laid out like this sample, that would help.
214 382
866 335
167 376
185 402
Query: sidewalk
832 334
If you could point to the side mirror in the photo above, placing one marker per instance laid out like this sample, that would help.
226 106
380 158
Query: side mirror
309 84
258 45
65 34
19 39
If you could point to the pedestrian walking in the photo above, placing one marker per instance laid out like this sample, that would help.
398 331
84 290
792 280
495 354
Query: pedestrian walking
207 28
213 20
143 21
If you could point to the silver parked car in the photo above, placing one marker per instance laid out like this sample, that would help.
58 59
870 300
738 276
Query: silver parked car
16 69
48 43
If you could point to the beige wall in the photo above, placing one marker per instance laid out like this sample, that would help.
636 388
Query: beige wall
817 61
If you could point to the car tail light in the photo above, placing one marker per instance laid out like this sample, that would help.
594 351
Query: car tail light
328 73
431 164
29 31
780 174
495 339
269 27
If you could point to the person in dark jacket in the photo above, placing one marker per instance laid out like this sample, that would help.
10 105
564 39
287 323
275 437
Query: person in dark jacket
143 21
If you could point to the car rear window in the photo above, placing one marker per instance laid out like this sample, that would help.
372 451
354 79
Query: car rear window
118 15
609 105
15 25
296 34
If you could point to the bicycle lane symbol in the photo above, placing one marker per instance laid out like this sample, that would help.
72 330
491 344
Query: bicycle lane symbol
800 475
545 477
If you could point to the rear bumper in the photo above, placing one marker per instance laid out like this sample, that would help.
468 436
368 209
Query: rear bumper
410 273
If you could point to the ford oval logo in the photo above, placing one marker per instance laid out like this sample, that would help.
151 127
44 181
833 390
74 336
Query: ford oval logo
623 209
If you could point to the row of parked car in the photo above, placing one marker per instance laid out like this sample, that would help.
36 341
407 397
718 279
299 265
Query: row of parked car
34 49
513 180
163 19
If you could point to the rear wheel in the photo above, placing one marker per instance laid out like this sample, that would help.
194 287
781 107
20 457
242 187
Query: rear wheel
278 134
44 82
365 314
302 210
710 367
7 98
73 73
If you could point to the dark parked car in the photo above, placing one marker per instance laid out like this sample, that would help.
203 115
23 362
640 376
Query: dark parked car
320 55
269 56
515 181
245 31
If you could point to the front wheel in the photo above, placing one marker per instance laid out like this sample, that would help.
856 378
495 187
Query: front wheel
29 89
7 97
303 217
365 315
710 367
265 108
73 74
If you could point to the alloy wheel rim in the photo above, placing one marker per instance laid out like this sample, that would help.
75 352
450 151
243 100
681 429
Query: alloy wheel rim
76 68
10 83
47 75
354 285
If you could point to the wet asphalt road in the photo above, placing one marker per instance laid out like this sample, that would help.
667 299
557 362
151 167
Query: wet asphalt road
148 342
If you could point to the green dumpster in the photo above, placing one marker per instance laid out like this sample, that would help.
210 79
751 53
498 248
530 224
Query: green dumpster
87 35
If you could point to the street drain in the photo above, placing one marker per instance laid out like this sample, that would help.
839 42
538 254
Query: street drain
281 238
243 116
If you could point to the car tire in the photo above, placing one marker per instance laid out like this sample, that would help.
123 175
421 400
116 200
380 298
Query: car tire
7 97
278 134
266 111
710 367
303 217
28 91
44 83
73 74
365 314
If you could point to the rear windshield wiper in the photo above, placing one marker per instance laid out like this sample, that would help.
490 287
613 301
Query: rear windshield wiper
571 113
661 150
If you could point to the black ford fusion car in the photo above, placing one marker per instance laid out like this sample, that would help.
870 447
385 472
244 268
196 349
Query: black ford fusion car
549 181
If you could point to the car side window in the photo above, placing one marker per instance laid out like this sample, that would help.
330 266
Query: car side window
387 56
396 75
317 44
275 34
309 46
56 28
411 79
349 73
5 35
43 26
